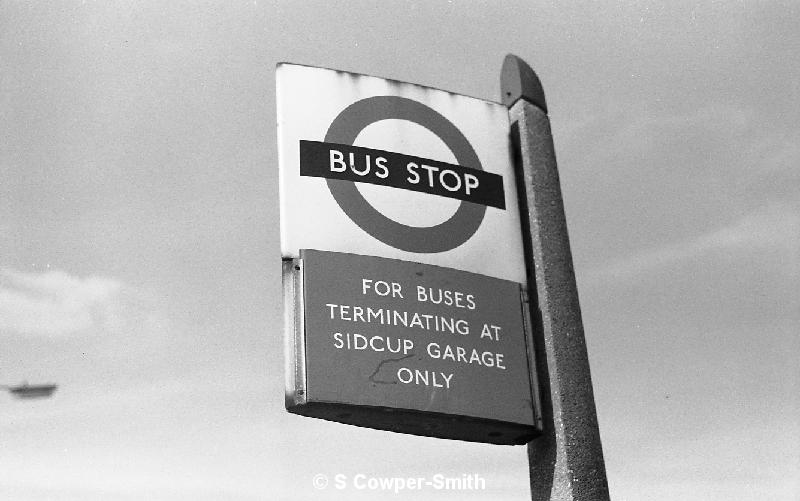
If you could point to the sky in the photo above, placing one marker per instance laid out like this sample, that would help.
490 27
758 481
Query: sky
140 258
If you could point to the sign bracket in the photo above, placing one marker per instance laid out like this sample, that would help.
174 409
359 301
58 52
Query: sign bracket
294 332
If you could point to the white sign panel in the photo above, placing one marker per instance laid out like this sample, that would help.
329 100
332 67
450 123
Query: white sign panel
383 168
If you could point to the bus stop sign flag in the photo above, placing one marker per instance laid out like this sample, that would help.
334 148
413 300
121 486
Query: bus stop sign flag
403 259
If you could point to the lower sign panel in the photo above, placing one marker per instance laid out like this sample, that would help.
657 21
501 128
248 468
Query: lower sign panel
408 347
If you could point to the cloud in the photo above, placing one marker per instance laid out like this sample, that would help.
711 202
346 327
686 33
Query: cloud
774 229
54 303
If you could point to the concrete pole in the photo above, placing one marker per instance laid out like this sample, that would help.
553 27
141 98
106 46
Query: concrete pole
566 461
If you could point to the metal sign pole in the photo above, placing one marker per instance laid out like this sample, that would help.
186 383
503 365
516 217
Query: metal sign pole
566 462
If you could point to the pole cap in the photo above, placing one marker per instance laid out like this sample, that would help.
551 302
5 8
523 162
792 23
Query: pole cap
519 81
